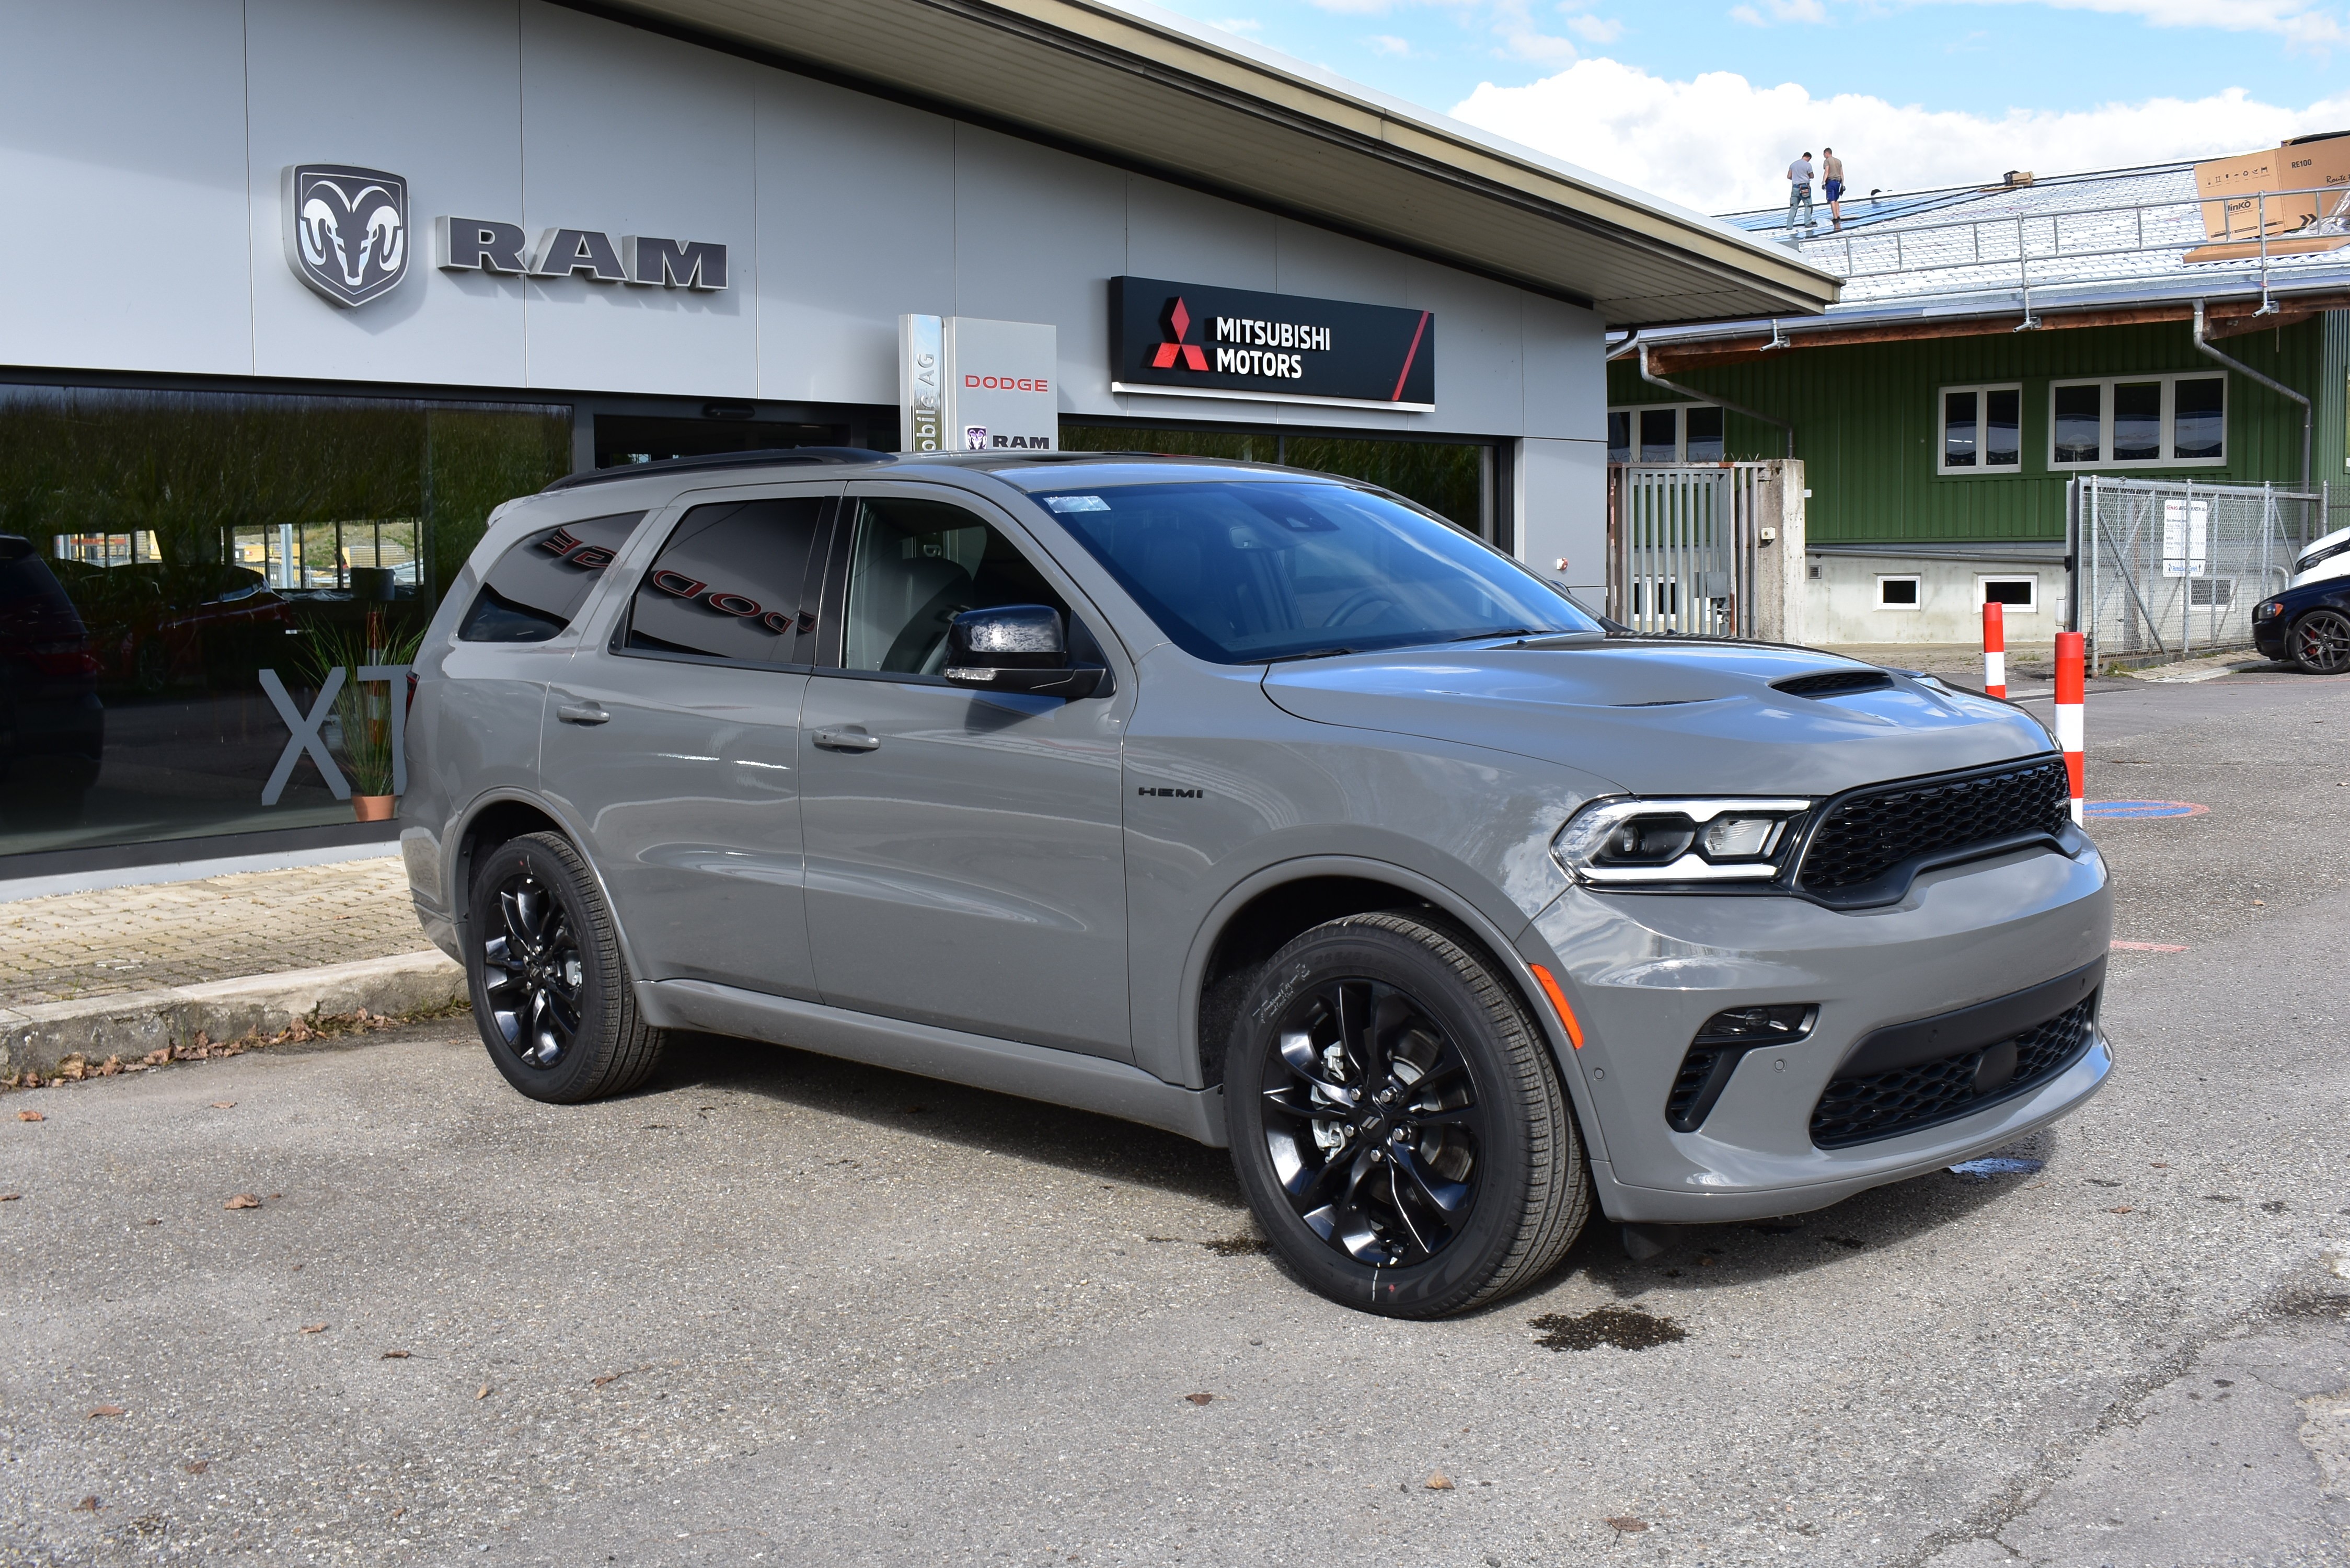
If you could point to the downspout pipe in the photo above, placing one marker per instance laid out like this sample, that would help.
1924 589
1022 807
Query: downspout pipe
2241 369
1656 380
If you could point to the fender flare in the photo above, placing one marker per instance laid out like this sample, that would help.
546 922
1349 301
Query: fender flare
460 900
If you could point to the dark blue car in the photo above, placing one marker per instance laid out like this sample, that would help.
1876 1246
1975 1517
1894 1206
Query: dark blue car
2309 625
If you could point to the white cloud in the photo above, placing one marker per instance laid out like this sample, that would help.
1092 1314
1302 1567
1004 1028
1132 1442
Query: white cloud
2294 19
1595 29
1241 25
1388 43
1719 143
1780 11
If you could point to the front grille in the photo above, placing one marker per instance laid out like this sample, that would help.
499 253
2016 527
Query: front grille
1870 835
1857 1110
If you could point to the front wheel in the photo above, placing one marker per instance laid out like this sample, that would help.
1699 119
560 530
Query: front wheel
551 994
1397 1122
2320 642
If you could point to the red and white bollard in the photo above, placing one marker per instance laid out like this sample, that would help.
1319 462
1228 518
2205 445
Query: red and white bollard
1994 650
2071 652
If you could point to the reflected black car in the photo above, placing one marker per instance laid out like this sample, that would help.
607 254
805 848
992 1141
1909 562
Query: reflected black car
153 625
2309 625
52 725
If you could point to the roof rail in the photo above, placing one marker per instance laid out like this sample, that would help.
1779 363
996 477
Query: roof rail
773 457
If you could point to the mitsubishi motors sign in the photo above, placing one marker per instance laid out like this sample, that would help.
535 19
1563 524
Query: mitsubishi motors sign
1189 340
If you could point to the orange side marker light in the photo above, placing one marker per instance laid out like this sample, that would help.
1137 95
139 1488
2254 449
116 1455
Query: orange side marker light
1559 1004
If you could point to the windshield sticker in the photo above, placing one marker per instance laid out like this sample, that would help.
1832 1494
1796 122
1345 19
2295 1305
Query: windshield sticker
1076 503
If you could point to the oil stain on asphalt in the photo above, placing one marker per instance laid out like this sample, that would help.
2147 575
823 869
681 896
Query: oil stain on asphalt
1626 1328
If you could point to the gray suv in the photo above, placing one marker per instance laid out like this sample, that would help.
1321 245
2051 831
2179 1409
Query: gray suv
1251 803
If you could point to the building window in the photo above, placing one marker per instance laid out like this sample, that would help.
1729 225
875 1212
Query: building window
2138 421
1896 593
1669 433
1982 430
2020 594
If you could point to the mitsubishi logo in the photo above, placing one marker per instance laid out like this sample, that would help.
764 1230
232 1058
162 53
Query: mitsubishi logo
1176 322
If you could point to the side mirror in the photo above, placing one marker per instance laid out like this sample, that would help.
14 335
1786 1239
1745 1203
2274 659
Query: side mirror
1016 647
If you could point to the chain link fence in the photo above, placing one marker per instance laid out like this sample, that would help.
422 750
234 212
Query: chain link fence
2171 570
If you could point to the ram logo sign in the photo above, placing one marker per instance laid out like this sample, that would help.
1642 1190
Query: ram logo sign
346 231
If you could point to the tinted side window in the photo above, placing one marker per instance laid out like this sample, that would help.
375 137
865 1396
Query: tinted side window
913 568
539 585
738 580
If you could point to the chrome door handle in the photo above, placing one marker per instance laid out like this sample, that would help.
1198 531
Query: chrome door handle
847 741
580 713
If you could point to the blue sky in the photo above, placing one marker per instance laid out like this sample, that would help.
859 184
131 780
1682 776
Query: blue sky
1670 93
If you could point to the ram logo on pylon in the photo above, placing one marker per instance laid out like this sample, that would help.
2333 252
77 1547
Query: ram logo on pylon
1176 322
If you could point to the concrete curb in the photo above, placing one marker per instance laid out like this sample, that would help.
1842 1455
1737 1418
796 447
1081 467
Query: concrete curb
130 1024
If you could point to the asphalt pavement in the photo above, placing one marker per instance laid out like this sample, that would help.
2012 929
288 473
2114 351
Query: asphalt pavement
779 1309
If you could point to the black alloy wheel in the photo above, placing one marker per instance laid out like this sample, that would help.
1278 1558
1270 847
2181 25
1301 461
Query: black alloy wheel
1371 1122
2320 642
1397 1119
551 994
532 971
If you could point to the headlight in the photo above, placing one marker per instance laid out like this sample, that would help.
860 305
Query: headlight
2326 553
2268 609
1618 843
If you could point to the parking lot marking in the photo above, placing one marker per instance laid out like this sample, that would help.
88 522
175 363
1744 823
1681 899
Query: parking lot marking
2137 809
2122 947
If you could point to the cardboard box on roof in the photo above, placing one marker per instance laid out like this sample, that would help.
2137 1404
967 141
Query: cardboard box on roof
2234 213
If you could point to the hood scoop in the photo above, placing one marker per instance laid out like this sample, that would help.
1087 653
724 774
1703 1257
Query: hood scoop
1834 683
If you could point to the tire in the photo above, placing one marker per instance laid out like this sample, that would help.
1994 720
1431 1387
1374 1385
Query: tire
1490 1187
551 994
2319 642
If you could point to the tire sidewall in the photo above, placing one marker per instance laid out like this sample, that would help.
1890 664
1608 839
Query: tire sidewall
572 1078
2292 644
1457 1274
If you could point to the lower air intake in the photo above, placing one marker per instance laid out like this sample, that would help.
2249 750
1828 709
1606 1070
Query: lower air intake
1885 1105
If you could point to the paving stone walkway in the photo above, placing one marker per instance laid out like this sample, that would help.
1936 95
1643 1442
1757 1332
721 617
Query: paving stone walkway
73 945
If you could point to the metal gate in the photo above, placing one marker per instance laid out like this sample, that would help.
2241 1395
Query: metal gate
2170 568
1682 546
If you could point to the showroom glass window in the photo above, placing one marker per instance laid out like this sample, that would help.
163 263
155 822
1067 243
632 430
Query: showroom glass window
200 539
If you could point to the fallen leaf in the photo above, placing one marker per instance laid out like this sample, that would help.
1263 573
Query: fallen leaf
394 1355
599 1382
31 1116
278 1195
10 1197
2124 1208
197 1467
314 1328
224 1105
1199 1398
242 1201
88 1505
1440 1482
106 1410
483 1392
1626 1525
2162 1165
156 1058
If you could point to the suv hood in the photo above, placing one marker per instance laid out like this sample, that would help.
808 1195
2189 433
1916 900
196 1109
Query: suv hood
1664 717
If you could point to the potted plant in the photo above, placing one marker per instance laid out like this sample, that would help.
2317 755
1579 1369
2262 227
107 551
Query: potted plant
361 730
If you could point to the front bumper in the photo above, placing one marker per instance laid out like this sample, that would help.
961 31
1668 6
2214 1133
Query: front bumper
2268 637
1647 970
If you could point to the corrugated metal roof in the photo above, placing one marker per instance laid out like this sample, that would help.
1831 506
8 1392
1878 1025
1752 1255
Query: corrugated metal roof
1156 91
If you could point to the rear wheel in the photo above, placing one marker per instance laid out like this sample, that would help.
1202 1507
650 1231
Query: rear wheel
1397 1122
551 994
2320 642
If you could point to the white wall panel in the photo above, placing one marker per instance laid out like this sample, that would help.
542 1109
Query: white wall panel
632 133
857 204
1480 374
1563 512
420 89
1567 370
1038 237
123 154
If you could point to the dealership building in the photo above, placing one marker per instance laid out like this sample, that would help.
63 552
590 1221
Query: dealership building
300 290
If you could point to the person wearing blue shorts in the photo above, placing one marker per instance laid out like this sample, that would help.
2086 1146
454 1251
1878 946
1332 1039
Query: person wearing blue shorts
1831 177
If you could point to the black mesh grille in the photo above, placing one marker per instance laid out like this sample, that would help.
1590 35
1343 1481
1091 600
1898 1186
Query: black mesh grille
1688 1087
1856 1110
1868 834
1834 683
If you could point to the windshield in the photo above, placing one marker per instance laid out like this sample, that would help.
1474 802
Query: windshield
1245 571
